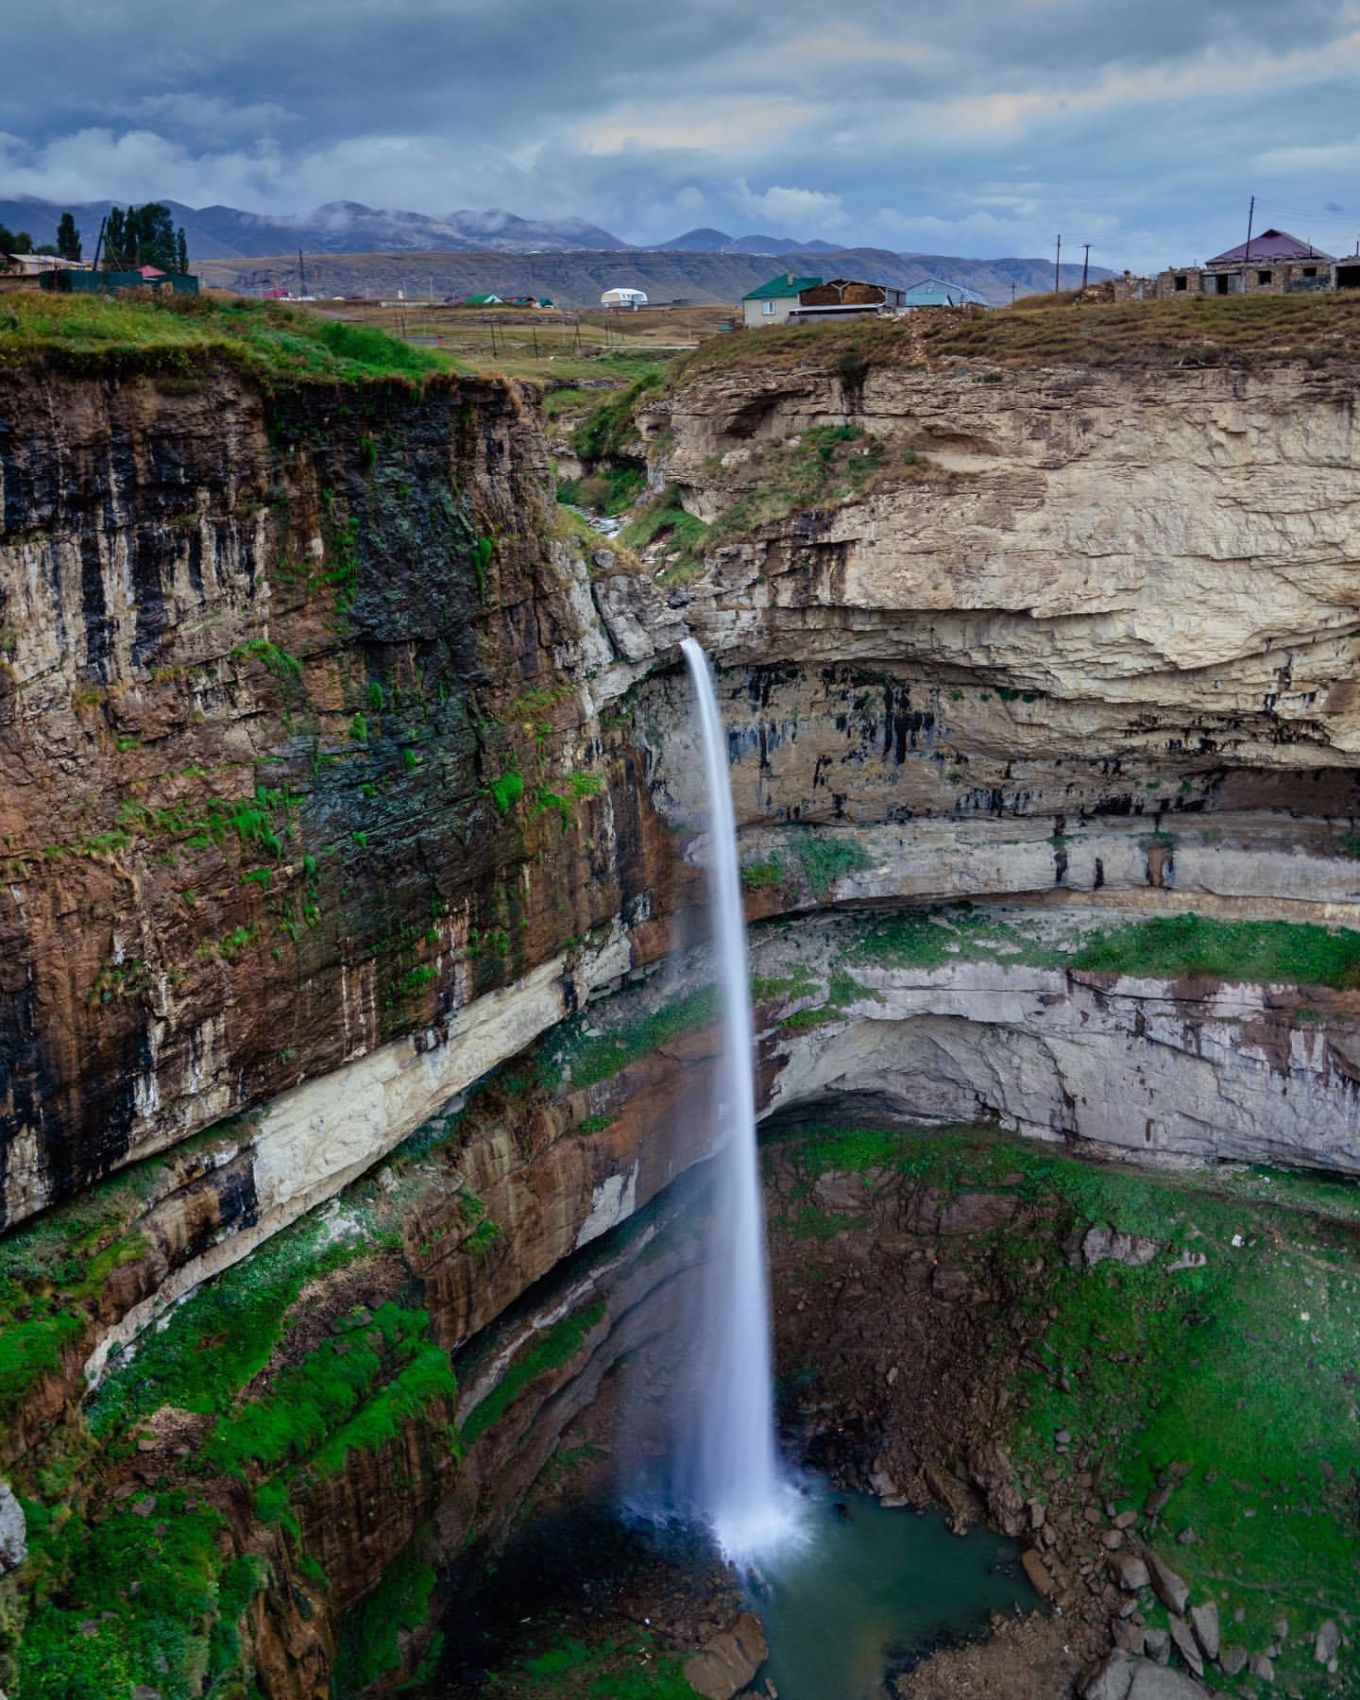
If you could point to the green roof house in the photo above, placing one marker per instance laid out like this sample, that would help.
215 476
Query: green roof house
772 303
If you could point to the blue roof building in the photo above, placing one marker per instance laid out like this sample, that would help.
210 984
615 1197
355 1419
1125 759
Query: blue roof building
932 292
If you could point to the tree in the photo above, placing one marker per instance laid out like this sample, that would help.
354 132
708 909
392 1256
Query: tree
115 240
181 251
15 241
68 238
141 236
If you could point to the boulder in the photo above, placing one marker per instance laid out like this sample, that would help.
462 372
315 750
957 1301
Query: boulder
1157 1645
1129 1571
1155 1503
1259 1665
1102 1244
13 1530
728 1663
1157 1682
1184 1640
1172 1590
1112 1678
1204 1622
1234 1660
1037 1571
961 1504
1128 1636
1122 1677
1327 1643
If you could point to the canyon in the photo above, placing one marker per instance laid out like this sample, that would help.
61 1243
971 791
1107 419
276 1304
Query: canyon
353 1011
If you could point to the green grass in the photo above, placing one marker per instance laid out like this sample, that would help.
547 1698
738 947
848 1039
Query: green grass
383 1417
579 1060
549 1350
312 1403
1170 947
826 859
52 1277
608 429
506 791
763 875
100 336
631 1667
371 1634
684 535
1240 1370
285 667
132 1600
222 1337
827 465
1249 952
930 938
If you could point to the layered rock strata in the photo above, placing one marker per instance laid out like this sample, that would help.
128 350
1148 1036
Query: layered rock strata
335 779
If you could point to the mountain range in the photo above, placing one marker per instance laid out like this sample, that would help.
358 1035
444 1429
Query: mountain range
339 227
352 249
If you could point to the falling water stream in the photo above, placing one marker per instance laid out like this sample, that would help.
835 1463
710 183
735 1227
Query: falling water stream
727 1473
850 1591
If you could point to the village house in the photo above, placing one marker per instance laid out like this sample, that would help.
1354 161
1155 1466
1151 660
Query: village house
772 303
1273 263
934 292
624 297
807 300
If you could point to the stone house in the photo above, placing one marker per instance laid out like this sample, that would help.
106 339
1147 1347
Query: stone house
1273 263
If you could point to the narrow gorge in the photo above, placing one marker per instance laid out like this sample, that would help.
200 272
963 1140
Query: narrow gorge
354 1004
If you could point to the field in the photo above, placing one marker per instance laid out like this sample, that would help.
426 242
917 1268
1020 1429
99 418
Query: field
541 344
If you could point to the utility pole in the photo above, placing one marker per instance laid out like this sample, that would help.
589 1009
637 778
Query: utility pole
1251 215
1012 292
1057 266
1086 265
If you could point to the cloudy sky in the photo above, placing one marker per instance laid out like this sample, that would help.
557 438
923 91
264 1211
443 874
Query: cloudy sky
978 127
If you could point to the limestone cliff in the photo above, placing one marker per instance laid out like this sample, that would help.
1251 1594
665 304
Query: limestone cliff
339 780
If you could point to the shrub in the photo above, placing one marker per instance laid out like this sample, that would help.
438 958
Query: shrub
826 860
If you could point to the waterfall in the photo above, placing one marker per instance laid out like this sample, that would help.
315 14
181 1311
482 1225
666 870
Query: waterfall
727 1472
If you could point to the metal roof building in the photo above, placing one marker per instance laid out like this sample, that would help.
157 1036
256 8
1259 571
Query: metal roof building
933 292
1270 245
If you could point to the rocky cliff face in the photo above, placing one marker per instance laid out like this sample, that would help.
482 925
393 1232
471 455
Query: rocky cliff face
338 784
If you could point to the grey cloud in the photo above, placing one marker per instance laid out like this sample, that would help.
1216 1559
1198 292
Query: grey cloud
982 124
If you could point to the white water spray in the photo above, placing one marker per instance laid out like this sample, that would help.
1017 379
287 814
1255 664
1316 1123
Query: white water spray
728 1472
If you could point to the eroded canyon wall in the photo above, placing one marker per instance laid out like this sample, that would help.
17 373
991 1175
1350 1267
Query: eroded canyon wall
338 776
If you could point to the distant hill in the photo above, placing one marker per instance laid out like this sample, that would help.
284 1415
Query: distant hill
578 279
708 241
509 234
339 227
705 240
352 249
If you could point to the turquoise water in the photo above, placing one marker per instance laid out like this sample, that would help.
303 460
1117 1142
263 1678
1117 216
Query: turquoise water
873 1591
